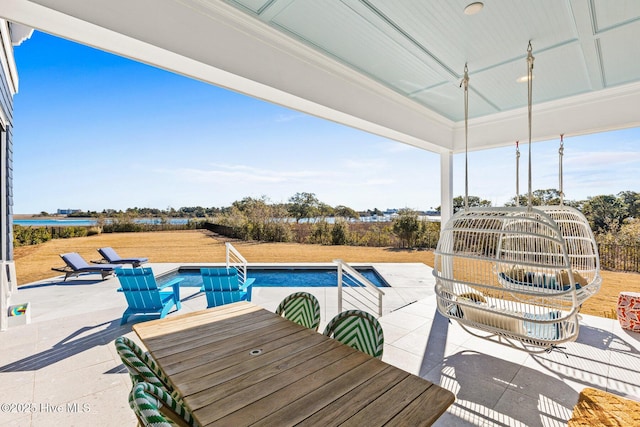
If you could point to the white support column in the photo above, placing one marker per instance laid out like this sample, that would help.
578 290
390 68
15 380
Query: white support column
446 186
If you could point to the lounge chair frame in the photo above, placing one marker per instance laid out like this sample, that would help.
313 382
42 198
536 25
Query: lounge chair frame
76 265
110 256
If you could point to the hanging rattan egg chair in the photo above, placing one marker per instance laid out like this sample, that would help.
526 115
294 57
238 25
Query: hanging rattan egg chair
584 262
472 244
513 275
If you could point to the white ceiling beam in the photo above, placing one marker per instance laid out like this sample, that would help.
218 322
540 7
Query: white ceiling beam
614 108
217 43
584 26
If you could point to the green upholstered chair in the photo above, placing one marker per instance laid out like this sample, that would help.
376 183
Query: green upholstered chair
359 330
154 407
142 367
301 308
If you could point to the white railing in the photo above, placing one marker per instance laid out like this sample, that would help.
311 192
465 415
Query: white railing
359 291
235 260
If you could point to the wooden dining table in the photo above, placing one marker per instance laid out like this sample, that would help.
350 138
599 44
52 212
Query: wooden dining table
239 364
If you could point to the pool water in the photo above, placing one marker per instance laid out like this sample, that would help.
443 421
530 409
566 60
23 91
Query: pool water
284 277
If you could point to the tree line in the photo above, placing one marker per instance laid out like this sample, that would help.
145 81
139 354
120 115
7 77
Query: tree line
613 218
306 219
299 206
258 219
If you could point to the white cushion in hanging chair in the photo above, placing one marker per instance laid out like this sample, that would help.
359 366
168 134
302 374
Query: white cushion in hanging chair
535 329
495 319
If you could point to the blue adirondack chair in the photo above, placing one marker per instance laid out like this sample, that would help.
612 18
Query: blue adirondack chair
143 294
222 286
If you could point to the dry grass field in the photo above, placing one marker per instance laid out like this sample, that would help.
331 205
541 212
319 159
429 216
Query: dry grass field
34 262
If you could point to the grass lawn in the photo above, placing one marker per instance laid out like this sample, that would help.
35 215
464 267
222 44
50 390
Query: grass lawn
34 262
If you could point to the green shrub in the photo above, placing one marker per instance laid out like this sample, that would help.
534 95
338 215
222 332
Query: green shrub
428 234
406 226
24 236
122 225
320 233
279 232
340 233
92 231
377 237
68 232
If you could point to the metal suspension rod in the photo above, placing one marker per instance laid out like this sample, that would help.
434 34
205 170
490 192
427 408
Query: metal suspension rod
530 60
465 83
560 174
517 173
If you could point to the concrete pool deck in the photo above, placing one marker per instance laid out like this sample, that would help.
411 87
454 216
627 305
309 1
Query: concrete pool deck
65 367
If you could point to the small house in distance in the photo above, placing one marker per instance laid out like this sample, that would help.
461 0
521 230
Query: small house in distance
67 211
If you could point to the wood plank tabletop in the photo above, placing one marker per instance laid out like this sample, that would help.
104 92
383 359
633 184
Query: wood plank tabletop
239 364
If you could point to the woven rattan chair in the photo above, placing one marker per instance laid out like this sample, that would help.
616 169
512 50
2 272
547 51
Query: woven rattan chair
301 308
142 367
359 330
154 407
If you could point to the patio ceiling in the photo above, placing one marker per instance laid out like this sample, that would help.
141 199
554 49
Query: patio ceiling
388 67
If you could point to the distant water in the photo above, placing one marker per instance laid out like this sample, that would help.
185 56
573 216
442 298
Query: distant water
88 222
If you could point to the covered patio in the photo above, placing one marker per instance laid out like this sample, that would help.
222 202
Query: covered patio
64 363
389 68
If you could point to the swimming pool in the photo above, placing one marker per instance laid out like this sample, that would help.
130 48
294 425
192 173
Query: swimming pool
281 277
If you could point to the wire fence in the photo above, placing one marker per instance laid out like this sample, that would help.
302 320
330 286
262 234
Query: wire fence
620 257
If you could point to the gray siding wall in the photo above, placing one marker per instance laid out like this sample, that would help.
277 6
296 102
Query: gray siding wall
6 224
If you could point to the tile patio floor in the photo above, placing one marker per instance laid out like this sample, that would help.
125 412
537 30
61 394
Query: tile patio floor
63 366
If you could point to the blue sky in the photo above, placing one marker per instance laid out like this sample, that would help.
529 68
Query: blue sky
95 131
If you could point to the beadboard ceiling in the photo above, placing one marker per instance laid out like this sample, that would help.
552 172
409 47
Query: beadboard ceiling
388 67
